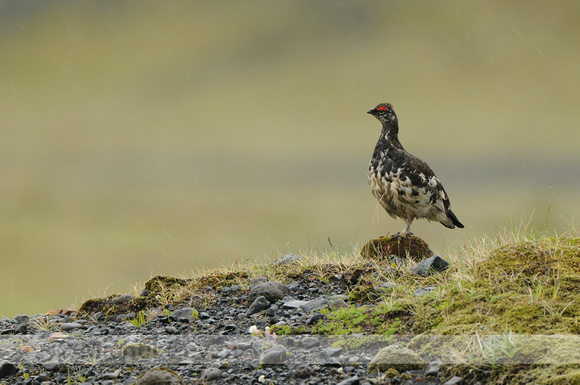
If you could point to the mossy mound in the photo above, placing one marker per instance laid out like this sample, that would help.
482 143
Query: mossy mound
544 257
161 283
521 292
406 247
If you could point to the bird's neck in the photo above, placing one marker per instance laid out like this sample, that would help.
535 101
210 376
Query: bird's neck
390 134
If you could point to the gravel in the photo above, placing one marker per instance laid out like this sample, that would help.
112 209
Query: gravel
209 344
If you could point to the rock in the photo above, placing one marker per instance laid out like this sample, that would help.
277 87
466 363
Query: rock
315 318
395 357
331 352
275 355
433 368
424 290
21 318
122 300
133 352
350 381
259 304
291 303
409 247
272 291
310 342
315 304
171 330
70 326
396 260
338 303
52 366
430 265
453 381
160 377
112 376
287 259
187 313
7 369
211 374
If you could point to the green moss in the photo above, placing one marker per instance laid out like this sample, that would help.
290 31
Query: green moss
381 319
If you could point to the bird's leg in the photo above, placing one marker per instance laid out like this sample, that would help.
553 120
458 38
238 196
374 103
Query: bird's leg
406 231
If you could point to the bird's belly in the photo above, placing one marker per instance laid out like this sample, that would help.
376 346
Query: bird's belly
398 200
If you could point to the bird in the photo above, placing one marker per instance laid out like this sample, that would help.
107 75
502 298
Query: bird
404 185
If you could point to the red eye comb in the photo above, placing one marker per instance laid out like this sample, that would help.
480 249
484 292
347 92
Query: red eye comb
381 108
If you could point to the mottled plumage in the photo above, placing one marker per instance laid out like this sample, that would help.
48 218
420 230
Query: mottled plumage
405 186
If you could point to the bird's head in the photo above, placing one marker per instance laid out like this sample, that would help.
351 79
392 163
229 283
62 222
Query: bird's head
385 113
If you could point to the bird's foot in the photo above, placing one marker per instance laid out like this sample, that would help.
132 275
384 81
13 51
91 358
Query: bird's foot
402 235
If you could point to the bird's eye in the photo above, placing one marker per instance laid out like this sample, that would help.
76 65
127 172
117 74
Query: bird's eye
381 108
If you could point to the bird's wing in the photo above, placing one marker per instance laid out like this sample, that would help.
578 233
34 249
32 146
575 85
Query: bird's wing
422 188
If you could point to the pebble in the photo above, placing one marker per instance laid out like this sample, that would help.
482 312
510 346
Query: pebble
211 374
430 265
187 313
259 304
350 381
424 290
70 326
433 368
453 381
287 259
310 342
7 369
275 355
272 291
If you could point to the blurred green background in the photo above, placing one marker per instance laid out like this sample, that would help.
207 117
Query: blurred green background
158 137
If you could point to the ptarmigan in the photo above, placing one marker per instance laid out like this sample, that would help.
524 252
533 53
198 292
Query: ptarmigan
405 185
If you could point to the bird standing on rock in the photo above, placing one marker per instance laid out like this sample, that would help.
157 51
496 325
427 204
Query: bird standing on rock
405 186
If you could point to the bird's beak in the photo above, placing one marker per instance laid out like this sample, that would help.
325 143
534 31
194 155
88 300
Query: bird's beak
372 112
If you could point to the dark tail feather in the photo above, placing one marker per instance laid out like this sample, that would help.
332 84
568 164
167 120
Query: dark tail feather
454 219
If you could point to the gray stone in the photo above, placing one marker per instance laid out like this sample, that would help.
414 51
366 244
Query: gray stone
453 381
171 330
122 300
291 303
52 366
287 259
315 304
338 303
424 290
70 326
211 374
272 291
259 304
22 318
112 376
310 342
244 346
430 265
350 381
130 381
333 363
188 313
275 355
396 260
7 369
332 352
160 377
396 357
433 368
